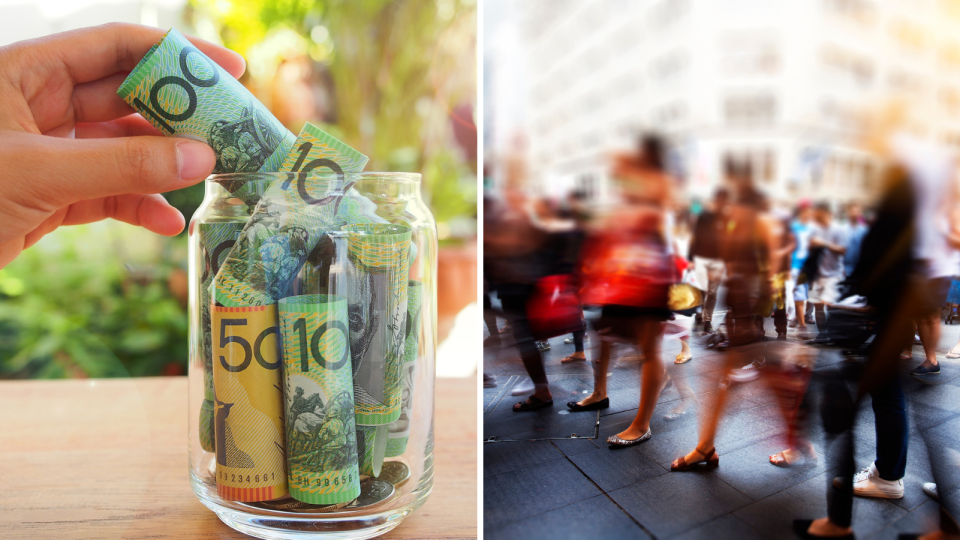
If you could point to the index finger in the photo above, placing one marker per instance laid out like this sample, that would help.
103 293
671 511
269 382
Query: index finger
91 53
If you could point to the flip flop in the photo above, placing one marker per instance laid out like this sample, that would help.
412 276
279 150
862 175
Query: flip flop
681 359
533 403
905 356
571 360
952 354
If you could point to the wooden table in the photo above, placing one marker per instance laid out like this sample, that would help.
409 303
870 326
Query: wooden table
107 458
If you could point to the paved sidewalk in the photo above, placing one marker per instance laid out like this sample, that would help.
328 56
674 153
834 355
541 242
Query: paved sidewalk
541 483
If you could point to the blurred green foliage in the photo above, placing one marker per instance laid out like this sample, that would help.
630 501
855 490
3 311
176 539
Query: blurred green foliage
69 306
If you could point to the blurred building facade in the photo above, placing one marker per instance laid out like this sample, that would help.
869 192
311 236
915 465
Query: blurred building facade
785 84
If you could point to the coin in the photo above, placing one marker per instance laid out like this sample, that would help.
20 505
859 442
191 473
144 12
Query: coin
372 491
395 472
289 504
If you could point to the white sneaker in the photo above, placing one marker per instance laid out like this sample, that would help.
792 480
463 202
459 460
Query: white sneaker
522 388
931 490
867 483
747 373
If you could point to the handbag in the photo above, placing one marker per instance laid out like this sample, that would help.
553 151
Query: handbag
622 269
554 308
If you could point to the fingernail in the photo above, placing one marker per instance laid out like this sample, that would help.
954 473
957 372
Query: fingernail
195 160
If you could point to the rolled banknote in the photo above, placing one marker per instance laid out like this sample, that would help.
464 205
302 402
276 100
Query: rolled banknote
371 448
377 273
322 464
215 239
400 429
248 403
183 92
291 219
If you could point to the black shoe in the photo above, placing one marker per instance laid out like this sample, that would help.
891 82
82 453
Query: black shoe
492 341
489 381
820 340
925 373
707 327
602 404
781 336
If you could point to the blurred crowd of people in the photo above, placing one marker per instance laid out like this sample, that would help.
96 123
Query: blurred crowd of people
862 279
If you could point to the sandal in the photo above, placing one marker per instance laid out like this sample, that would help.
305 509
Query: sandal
953 355
573 359
681 359
710 458
531 404
906 356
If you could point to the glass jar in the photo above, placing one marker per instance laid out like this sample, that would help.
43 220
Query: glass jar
312 341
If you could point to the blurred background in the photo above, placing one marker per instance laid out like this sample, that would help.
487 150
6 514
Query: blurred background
793 87
395 79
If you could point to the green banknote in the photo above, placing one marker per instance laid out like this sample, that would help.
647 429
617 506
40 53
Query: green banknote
400 430
183 92
377 273
291 219
371 448
322 465
215 239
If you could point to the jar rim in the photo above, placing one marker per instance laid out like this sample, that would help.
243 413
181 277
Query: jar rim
401 177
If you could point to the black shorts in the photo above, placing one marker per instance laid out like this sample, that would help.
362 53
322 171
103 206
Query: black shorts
936 290
621 321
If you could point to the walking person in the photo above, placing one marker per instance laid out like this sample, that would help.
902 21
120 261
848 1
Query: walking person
831 239
801 228
892 279
626 270
512 246
747 250
704 254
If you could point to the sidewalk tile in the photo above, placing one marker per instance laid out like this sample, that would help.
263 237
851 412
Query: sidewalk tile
672 503
613 469
596 517
515 495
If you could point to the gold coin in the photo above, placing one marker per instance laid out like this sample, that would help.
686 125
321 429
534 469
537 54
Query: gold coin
395 472
289 504
372 491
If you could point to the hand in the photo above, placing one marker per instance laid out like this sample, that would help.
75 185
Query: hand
72 152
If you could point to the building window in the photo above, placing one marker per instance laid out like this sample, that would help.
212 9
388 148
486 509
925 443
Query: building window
750 111
667 12
850 65
862 12
750 54
668 66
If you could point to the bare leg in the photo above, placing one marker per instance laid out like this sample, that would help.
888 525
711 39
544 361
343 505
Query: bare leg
679 378
801 318
713 411
652 376
929 330
821 316
600 365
